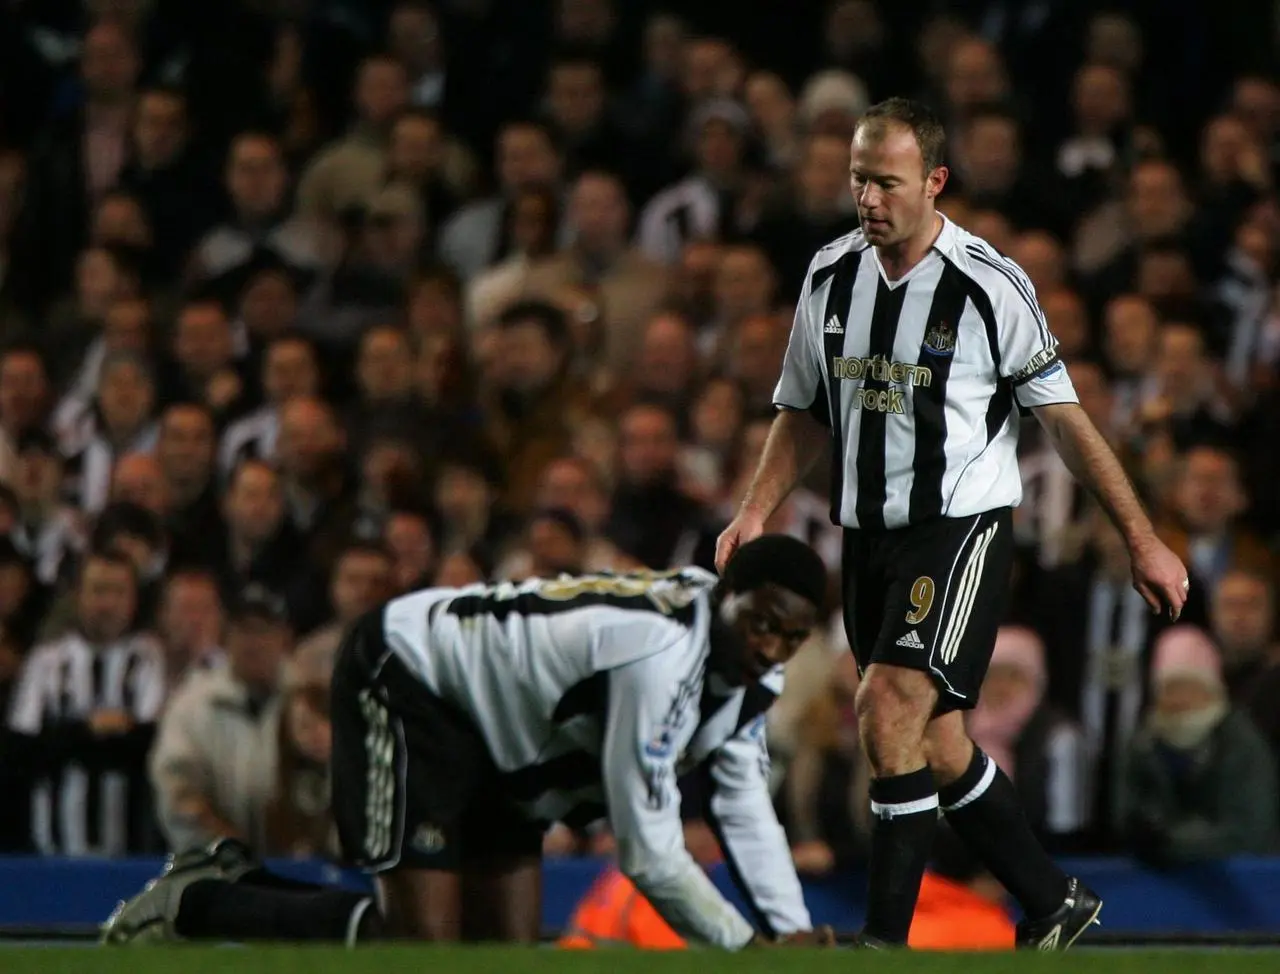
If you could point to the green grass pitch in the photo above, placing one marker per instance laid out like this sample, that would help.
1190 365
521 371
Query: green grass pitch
486 960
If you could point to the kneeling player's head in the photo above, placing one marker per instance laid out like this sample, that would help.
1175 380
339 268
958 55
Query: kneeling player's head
772 595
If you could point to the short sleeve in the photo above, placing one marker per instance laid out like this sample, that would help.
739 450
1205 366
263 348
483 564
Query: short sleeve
801 386
1029 356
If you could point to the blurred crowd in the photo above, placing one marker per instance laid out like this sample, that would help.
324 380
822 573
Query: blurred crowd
305 303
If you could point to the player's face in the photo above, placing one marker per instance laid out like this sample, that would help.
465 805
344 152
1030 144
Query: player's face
773 624
890 186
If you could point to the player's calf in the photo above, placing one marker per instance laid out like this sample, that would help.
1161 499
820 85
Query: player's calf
894 705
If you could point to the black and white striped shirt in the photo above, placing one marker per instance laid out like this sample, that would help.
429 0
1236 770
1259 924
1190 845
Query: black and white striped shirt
918 378
90 796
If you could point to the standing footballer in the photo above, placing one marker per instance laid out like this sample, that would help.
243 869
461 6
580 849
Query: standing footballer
914 342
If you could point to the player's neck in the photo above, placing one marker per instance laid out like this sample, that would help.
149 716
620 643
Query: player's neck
898 259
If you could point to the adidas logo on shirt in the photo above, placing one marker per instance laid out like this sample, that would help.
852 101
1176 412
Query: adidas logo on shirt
833 326
911 640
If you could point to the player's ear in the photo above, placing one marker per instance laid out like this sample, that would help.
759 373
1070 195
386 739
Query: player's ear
934 182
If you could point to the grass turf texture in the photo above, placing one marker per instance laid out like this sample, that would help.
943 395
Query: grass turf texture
486 960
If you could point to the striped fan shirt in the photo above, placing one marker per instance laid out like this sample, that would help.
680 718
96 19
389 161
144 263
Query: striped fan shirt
91 795
918 378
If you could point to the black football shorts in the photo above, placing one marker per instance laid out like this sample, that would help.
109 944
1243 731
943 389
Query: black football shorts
930 597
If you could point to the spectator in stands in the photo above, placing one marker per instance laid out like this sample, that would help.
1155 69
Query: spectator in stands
468 485
1208 501
140 534
629 284
992 172
23 601
652 519
411 538
137 478
1200 781
422 156
1128 344
125 327
348 172
815 212
474 238
49 532
185 451
825 793
1155 208
318 494
1042 751
291 368
534 400
716 417
81 158
83 719
266 300
707 203
257 183
25 400
667 365
298 820
572 484
167 175
205 358
753 359
359 583
577 111
216 757
388 403
190 624
1099 634
123 423
260 545
744 286
392 475
1243 625
533 223
557 544
774 120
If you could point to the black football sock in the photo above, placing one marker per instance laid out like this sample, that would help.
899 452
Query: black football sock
983 808
905 807
214 909
266 879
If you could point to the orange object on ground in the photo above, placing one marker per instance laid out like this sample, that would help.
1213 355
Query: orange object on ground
613 913
950 916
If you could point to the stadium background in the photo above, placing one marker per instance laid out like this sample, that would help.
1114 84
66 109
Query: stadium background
294 231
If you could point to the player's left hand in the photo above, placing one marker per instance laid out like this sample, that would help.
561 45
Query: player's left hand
817 937
1159 576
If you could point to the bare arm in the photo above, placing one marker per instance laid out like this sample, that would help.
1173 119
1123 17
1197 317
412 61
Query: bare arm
1091 461
793 447
1157 573
795 442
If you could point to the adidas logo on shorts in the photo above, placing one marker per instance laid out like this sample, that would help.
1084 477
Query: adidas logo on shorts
833 326
911 640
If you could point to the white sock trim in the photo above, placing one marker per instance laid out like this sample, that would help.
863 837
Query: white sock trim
896 809
976 792
353 924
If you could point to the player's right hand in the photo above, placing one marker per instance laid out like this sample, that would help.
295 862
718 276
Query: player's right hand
745 527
